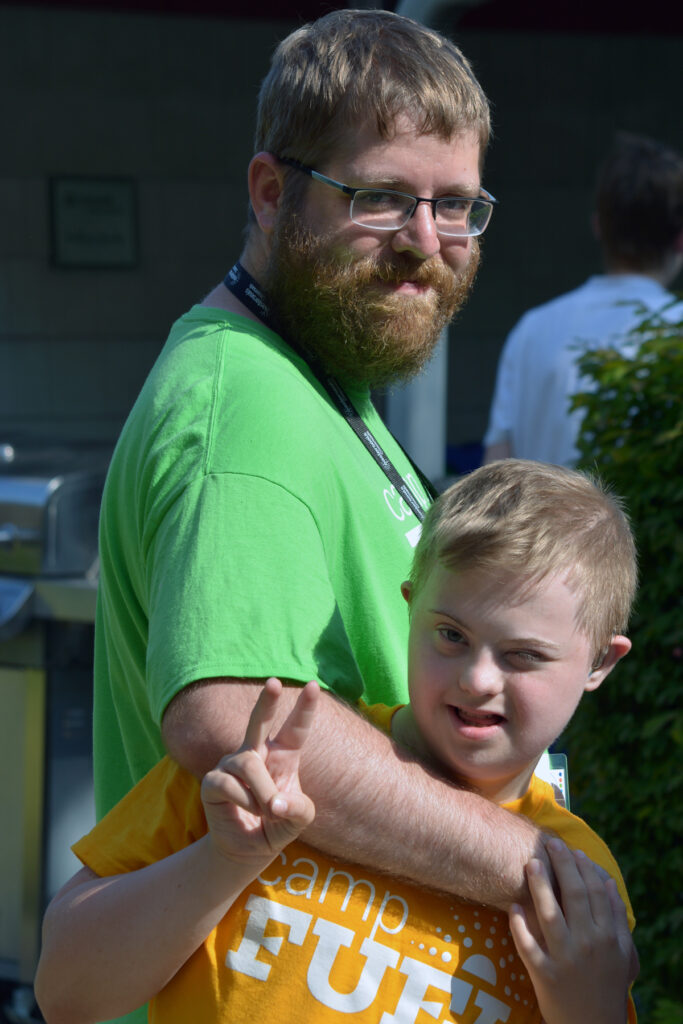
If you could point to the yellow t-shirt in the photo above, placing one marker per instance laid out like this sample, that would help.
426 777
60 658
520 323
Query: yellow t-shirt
318 940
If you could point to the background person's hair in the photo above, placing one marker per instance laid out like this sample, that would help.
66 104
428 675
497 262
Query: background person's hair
350 66
639 203
521 522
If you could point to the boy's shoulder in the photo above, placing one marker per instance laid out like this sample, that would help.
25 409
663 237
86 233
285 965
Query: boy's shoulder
541 805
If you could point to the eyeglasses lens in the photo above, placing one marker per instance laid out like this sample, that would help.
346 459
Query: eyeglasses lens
389 211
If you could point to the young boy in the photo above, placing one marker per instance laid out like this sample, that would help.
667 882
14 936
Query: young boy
521 588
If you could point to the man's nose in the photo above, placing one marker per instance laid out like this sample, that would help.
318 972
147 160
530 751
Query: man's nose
419 236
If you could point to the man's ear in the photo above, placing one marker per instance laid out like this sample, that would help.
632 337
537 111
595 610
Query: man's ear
406 590
618 647
265 179
595 226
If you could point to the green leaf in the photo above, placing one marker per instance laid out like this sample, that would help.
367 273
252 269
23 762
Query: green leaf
624 743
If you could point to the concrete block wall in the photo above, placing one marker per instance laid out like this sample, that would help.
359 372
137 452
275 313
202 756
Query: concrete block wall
167 101
557 101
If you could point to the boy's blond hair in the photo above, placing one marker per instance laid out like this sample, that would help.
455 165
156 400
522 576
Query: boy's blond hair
524 521
330 77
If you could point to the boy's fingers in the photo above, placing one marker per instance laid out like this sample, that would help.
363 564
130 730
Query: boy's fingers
242 779
295 808
289 815
618 909
598 899
622 930
548 911
574 894
297 727
219 788
526 943
262 717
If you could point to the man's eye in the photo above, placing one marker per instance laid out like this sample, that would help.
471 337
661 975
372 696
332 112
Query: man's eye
454 205
378 201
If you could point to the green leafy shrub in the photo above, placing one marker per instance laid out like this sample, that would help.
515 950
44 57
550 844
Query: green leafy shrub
626 741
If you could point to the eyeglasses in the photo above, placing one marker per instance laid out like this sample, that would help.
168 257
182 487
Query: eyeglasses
386 210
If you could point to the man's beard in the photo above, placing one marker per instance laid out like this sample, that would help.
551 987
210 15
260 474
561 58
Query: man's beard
361 333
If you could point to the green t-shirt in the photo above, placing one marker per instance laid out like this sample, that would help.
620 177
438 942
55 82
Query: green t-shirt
245 531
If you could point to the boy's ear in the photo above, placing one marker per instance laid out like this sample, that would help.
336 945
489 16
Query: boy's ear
406 590
265 178
618 647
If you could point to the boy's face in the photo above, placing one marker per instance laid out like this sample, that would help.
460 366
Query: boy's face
495 674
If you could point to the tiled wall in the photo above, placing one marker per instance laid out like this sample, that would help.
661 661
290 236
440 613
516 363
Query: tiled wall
166 101
169 102
557 101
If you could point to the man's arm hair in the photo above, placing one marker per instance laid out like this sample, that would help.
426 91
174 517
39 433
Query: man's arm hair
375 804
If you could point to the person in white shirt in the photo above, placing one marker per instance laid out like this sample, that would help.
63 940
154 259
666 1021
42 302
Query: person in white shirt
638 222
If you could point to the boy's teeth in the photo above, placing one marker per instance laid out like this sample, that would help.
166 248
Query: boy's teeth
478 718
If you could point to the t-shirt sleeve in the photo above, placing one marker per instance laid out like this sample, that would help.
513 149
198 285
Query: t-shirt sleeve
238 585
501 415
162 814
379 714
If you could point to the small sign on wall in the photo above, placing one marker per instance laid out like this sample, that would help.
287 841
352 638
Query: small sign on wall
93 223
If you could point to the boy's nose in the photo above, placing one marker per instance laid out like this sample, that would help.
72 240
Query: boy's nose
480 675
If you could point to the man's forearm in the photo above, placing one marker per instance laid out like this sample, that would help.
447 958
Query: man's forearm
375 805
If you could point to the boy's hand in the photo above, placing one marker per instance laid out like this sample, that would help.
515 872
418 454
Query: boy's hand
585 962
253 802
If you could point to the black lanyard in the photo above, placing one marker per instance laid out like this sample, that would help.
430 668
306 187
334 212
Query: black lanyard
243 286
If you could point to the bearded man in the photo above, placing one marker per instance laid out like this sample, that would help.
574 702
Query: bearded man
258 518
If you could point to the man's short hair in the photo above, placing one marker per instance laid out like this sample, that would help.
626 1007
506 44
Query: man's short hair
639 202
352 66
521 522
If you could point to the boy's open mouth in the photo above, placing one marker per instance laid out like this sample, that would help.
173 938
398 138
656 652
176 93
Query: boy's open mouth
478 719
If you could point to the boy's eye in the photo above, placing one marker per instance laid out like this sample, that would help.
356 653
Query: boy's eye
451 636
526 657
